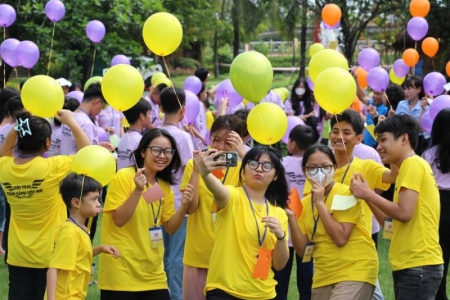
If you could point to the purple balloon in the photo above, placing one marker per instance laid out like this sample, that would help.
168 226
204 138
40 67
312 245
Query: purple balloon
326 26
438 104
400 68
192 106
95 31
292 122
378 79
226 90
102 135
120 60
27 53
368 59
193 84
7 15
55 10
417 28
426 122
77 95
310 84
8 52
433 83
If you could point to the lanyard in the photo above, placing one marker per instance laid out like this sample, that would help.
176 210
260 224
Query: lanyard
316 220
155 218
87 115
346 170
260 241
75 222
225 177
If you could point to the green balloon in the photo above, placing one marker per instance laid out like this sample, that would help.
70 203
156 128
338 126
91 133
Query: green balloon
92 80
251 75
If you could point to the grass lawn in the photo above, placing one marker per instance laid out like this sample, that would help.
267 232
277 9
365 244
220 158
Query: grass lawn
385 276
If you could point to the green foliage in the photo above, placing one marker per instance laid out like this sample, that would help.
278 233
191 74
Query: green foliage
262 47
186 63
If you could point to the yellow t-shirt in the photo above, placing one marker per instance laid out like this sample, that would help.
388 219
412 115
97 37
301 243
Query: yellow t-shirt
416 243
372 173
73 259
200 226
37 209
236 247
209 119
140 267
357 260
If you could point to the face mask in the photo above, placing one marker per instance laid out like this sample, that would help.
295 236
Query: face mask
300 91
320 177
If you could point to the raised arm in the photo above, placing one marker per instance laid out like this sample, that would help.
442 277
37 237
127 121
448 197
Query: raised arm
7 147
221 193
65 116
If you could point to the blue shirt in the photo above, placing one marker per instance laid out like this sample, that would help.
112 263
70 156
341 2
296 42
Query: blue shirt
367 138
403 108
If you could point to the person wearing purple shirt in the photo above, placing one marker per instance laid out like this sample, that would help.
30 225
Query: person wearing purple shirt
139 118
271 97
174 244
155 102
55 146
198 128
438 156
300 138
111 120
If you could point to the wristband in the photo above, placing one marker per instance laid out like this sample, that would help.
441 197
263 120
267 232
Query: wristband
284 235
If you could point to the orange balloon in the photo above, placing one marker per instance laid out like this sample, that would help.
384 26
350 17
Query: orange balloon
419 8
430 46
410 57
447 68
331 14
361 76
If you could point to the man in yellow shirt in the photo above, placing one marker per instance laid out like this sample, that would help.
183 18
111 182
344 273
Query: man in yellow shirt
415 253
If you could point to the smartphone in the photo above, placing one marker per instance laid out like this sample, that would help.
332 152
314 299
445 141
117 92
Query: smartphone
227 159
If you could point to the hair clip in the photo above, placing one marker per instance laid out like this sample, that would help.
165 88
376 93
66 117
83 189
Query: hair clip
23 128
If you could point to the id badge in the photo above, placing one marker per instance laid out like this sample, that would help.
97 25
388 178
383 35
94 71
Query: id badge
388 229
214 215
263 264
309 250
156 237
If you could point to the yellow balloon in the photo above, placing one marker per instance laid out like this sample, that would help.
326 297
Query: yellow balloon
245 102
314 48
42 96
251 75
162 33
325 59
92 80
335 90
267 123
96 162
165 81
286 92
393 77
122 87
157 76
281 93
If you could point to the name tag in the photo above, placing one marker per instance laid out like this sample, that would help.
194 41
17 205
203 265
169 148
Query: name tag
214 215
388 229
156 237
309 250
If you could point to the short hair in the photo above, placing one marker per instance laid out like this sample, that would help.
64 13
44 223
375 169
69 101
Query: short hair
160 87
74 86
36 131
415 82
69 103
318 148
14 106
243 115
76 185
227 122
94 91
303 136
395 94
202 74
398 125
278 191
6 94
352 117
142 107
169 100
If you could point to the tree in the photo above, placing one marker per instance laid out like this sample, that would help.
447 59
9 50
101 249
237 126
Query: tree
72 54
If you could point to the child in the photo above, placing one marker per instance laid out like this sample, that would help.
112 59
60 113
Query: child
70 265
300 138
414 253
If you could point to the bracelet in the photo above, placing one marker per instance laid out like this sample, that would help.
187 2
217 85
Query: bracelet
284 235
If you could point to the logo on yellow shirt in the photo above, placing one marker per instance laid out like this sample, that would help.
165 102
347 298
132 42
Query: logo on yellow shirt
24 190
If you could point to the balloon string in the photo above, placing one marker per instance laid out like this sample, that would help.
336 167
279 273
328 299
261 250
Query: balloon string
51 49
181 106
93 61
387 99
3 62
342 138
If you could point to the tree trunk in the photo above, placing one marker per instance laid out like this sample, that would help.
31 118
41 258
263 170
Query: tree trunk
216 56
4 74
235 16
304 21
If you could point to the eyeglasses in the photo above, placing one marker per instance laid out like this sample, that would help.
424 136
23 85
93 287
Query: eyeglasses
218 142
265 166
156 151
324 169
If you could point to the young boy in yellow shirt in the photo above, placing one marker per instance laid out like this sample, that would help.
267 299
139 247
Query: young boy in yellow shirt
415 254
70 266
